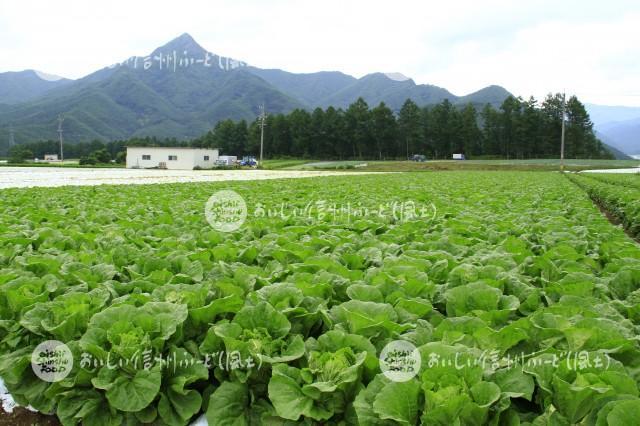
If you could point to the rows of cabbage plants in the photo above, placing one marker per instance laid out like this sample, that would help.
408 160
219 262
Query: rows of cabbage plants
619 195
631 180
522 300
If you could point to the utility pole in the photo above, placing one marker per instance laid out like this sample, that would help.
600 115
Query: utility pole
12 140
263 119
407 141
60 120
564 107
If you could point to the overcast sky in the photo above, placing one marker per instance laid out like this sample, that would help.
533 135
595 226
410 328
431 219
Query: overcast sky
589 48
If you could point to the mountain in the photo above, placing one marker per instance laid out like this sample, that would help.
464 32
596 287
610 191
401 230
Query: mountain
378 87
617 126
604 114
308 88
493 95
618 154
336 89
340 90
623 135
181 90
178 90
22 86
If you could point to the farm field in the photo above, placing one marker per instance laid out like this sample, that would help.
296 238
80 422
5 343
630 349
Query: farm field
522 299
629 180
528 165
619 195
24 177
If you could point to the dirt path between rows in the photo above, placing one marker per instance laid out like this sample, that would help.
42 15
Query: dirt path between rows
613 219
23 417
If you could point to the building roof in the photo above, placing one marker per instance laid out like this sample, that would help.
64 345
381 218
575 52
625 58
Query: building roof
173 147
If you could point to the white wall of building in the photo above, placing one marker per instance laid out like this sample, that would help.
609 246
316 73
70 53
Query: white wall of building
228 160
205 158
182 158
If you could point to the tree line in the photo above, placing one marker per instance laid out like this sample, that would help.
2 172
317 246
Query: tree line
93 152
518 129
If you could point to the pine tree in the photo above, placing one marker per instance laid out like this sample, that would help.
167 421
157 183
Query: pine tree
443 125
223 138
426 140
334 131
317 138
490 131
280 136
383 126
358 127
469 142
551 126
531 125
409 128
510 124
300 131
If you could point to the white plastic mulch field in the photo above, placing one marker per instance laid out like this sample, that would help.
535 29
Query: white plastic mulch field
22 177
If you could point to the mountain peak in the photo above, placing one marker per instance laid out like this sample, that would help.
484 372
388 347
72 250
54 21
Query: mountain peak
183 42
396 76
185 36
493 94
48 77
385 77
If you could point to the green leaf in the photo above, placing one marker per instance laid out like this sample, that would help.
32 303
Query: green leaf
398 401
129 393
485 393
263 315
514 383
228 405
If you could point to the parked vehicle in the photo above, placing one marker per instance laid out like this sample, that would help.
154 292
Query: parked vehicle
249 161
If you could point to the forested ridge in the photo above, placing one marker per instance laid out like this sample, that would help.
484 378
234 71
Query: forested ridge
518 129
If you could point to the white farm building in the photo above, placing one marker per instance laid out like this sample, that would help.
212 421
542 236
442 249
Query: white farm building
139 157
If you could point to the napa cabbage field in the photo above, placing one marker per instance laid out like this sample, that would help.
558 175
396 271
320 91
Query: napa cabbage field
619 195
522 299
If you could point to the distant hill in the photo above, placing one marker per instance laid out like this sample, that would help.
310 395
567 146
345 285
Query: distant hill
336 89
619 155
128 100
22 86
493 95
378 87
618 126
308 88
623 135
181 90
605 114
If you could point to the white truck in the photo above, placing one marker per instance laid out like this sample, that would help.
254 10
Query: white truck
227 160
